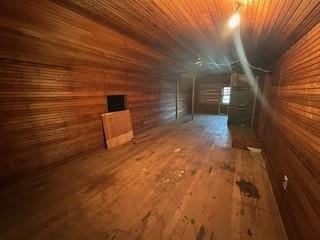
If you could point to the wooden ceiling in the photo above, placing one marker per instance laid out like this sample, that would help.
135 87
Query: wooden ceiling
183 30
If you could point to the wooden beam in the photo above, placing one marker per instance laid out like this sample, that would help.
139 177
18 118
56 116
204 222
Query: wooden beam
255 91
177 99
193 86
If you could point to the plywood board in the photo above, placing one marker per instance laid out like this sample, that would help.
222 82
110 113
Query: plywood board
117 128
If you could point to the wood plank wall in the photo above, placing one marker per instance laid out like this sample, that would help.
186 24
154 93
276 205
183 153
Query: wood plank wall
292 136
56 69
261 115
208 93
185 97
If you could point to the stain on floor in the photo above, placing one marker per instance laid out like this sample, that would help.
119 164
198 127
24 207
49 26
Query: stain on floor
201 233
145 218
227 167
248 189
193 172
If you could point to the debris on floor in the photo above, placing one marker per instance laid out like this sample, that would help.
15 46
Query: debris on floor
177 150
170 176
254 150
246 143
165 180
179 173
187 220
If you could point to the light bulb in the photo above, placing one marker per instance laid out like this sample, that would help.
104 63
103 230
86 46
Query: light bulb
234 20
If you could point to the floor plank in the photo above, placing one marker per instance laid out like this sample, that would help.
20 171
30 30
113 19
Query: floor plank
180 181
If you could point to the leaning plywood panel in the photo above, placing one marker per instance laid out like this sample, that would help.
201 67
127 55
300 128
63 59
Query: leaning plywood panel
117 128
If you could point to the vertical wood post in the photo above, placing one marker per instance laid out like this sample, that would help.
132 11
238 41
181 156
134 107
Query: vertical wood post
177 99
193 89
231 77
255 91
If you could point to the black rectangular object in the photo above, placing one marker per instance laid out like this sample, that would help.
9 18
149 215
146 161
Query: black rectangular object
116 103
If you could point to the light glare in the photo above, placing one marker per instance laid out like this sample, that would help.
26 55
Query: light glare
234 20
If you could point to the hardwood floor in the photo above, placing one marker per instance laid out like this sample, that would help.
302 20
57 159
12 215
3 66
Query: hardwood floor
180 181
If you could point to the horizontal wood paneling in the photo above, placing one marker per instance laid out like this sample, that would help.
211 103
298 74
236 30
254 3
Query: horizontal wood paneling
185 97
208 93
56 69
188 29
292 136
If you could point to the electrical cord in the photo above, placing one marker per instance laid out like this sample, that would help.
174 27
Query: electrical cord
237 61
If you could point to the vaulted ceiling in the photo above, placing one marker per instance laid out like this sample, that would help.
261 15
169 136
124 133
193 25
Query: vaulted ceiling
184 30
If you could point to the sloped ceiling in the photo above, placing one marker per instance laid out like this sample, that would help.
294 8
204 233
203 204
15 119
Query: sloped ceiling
184 30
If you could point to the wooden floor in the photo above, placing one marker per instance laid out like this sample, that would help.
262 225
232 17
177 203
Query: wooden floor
181 181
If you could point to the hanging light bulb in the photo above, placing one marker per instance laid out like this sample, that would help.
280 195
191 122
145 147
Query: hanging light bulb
234 20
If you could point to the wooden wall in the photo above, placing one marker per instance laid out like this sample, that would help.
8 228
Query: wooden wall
56 69
292 136
208 93
185 97
242 100
263 81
